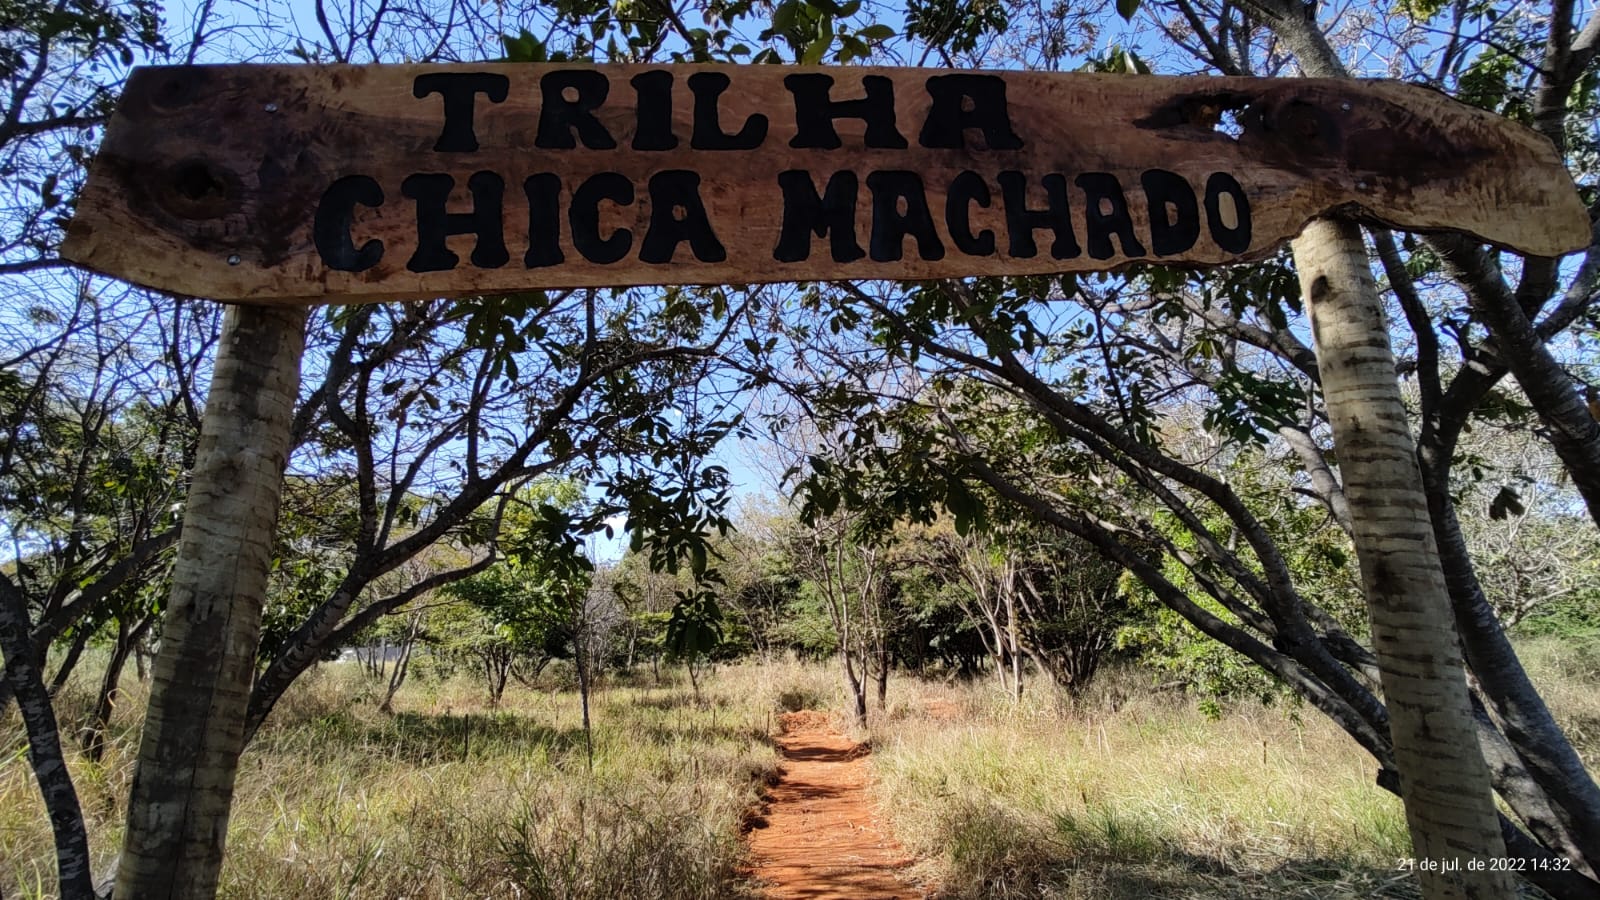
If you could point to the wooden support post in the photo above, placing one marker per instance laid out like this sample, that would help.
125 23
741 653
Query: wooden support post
1444 782
194 727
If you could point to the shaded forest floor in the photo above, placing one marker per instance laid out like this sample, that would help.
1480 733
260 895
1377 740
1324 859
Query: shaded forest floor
1123 793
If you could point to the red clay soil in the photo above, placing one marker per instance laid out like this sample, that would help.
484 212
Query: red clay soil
818 836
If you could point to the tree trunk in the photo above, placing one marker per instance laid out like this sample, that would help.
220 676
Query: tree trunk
26 678
1444 782
93 738
1540 743
496 669
999 654
402 665
63 673
396 679
1012 643
194 726
1569 424
583 697
68 664
882 673
858 688
1527 722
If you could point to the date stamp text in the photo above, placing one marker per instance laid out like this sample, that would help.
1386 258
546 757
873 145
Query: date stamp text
1493 864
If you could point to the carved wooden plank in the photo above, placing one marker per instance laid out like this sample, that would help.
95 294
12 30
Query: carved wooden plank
308 184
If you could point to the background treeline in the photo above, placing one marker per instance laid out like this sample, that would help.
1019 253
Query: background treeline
1007 602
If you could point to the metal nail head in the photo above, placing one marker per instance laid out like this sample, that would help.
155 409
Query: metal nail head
235 259
273 107
1343 106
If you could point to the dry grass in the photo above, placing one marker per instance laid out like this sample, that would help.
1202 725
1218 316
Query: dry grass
1568 675
446 798
1133 794
27 854
1123 794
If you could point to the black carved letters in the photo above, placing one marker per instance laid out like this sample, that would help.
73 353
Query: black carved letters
815 111
1174 212
561 118
662 167
677 214
585 217
1021 221
336 213
1233 238
544 221
967 188
1106 214
654 111
805 213
460 90
950 116
900 210
434 224
708 133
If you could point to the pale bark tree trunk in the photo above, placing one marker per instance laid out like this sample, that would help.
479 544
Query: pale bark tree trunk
858 688
1444 782
402 665
974 566
1008 590
194 727
583 698
837 595
999 655
1539 741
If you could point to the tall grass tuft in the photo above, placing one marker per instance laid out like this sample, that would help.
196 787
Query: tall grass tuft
641 847
446 798
1130 793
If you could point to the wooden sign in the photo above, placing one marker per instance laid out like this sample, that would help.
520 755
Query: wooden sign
313 184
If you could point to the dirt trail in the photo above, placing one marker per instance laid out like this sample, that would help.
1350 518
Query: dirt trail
819 836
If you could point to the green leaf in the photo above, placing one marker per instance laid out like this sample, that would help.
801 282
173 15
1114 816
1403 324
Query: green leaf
524 48
815 50
1126 9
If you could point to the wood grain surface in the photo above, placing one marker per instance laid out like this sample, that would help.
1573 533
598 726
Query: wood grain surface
339 184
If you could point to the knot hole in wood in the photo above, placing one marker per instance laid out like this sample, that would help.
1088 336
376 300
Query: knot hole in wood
198 189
